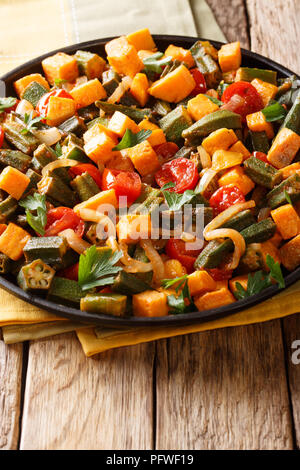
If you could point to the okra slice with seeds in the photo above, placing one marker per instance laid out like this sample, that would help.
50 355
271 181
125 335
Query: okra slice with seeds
35 276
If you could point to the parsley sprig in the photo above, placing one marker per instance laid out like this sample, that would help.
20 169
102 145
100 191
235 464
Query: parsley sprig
130 139
36 204
177 303
30 122
174 200
6 103
260 280
97 268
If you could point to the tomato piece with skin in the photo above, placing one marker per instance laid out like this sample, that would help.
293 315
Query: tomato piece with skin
87 168
225 197
42 106
242 98
166 151
61 218
70 273
261 156
1 136
219 274
200 82
125 183
177 249
181 171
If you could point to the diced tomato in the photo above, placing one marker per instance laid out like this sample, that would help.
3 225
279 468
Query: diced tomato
125 183
176 249
225 197
70 273
242 98
220 274
181 171
1 136
87 168
42 106
166 151
261 156
200 82
61 218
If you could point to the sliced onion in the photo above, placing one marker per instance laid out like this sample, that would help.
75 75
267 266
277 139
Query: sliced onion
91 215
133 265
220 219
263 213
48 136
155 259
124 85
205 158
237 239
74 241
233 103
62 162
207 177
81 80
25 107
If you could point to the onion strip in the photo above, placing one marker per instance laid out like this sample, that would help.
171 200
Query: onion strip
91 215
62 162
120 90
207 177
224 216
155 259
237 239
74 241
130 265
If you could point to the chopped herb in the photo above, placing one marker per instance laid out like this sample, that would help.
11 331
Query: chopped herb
59 81
167 283
275 271
214 100
96 268
58 150
130 139
30 122
274 112
174 200
177 303
35 203
154 63
6 103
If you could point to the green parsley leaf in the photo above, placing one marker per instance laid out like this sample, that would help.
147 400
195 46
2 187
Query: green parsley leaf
59 81
214 100
58 150
96 268
30 122
167 283
130 139
274 112
154 63
288 197
6 103
35 203
177 303
275 271
174 200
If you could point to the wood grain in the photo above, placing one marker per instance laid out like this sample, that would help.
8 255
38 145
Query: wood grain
10 393
74 402
224 389
231 17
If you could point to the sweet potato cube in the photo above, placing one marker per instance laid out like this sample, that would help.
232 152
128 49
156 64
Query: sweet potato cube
13 241
230 56
287 221
89 64
200 282
14 182
139 88
134 227
290 170
257 123
157 136
87 93
60 66
289 253
21 84
120 161
97 129
144 158
267 91
119 122
141 39
214 299
237 177
243 280
175 86
222 159
144 54
221 139
240 147
60 109
123 57
284 148
268 248
276 239
150 303
200 106
181 54
99 148
103 198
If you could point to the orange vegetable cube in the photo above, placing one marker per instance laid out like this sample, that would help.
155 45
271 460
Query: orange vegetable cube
230 56
276 239
173 269
237 177
289 253
97 129
141 39
139 88
87 93
144 158
214 299
174 87
150 303
181 54
60 66
257 123
284 148
290 170
13 241
134 227
144 54
287 221
221 139
267 91
123 57
243 280
200 282
99 148
222 159
240 147
119 122
200 106
103 198
268 248
157 136
14 182
21 84
59 109
120 161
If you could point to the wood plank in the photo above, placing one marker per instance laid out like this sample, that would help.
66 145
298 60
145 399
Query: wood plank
74 402
224 389
10 394
231 17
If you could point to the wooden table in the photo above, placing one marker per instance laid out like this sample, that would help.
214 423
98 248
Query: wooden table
235 388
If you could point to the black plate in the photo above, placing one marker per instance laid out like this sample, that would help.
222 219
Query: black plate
250 59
